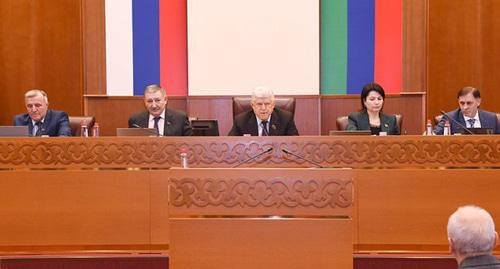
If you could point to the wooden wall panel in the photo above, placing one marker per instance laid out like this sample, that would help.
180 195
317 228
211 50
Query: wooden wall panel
462 52
41 48
218 108
410 209
75 210
415 45
490 54
94 46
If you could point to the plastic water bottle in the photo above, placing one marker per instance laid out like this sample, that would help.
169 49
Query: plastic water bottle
84 130
184 159
446 130
96 130
428 128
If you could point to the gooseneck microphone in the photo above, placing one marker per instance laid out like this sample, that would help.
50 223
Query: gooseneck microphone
302 158
146 129
456 122
254 157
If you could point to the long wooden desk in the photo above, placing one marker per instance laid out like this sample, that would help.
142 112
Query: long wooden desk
56 198
329 151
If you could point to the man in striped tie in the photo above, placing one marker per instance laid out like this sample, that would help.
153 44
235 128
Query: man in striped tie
264 119
166 121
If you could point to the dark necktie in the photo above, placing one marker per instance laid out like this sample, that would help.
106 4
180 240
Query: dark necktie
265 132
157 119
38 127
471 122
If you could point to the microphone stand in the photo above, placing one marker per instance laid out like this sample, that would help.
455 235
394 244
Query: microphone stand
302 158
254 157
456 122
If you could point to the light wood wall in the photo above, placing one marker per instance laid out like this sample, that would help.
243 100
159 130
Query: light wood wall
463 39
40 47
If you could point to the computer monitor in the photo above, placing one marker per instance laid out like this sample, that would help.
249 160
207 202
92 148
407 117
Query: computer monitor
478 131
205 127
136 132
14 131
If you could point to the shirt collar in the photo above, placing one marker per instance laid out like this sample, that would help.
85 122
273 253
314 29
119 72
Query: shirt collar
162 115
476 117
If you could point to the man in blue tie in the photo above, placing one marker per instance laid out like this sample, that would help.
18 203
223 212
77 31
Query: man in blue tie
264 119
41 120
469 114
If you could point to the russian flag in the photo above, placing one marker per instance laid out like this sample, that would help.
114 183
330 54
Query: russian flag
145 44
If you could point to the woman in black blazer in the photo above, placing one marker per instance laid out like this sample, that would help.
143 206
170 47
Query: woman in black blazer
371 117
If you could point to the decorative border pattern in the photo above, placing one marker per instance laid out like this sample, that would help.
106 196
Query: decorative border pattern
250 193
329 151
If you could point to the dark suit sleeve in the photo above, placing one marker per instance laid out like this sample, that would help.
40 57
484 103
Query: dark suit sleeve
187 129
396 130
439 129
64 127
17 120
291 128
235 131
132 121
352 124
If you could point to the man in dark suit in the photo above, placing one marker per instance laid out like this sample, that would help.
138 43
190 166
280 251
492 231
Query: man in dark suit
472 238
40 120
167 122
469 114
264 119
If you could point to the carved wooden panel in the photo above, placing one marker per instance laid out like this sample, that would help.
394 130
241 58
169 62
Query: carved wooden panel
325 192
329 151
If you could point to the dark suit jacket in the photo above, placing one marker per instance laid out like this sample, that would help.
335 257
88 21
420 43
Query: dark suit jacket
360 121
176 122
55 123
480 262
281 124
487 119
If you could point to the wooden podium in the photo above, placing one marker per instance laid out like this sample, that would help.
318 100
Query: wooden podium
261 218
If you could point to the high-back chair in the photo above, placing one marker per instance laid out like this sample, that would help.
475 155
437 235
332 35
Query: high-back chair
242 104
75 123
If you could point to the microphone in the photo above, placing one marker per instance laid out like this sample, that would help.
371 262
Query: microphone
302 158
254 157
456 122
146 129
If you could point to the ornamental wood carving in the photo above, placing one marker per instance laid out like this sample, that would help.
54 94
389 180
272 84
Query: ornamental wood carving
260 192
277 192
329 151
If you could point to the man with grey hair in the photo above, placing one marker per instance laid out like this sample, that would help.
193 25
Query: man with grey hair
472 238
264 119
40 120
166 121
